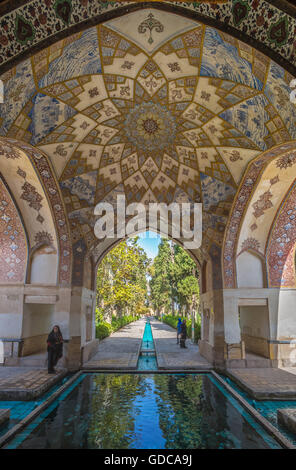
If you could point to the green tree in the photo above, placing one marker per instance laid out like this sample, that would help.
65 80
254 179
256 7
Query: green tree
160 283
174 279
183 275
122 281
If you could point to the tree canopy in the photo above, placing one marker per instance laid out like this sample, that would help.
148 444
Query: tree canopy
174 279
121 279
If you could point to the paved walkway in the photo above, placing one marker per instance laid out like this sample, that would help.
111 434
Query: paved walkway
266 383
18 383
120 350
170 355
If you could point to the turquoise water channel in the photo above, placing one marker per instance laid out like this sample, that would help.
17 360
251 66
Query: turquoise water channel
147 358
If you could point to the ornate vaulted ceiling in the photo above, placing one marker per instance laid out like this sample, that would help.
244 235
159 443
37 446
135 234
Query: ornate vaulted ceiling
151 105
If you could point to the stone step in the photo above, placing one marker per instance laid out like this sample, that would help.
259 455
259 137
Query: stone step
260 363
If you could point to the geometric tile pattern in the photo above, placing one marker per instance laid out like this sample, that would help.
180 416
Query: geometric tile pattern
160 116
154 113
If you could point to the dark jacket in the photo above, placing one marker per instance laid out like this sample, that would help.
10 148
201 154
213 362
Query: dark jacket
55 342
183 331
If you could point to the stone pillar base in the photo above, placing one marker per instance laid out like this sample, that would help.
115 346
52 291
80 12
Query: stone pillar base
74 353
89 350
206 350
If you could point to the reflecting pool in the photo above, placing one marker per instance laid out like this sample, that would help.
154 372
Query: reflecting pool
145 411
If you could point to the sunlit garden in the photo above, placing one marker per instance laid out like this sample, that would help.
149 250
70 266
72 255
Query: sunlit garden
130 285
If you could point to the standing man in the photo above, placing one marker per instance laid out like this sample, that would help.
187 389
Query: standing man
179 329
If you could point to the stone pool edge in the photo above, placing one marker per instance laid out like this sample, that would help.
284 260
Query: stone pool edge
272 430
30 417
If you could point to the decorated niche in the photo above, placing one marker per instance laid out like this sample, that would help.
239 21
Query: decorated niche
13 243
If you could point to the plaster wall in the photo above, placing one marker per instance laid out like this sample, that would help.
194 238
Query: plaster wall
287 314
11 311
249 270
44 267
254 323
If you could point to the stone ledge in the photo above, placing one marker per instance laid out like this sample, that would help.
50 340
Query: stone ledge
287 418
26 394
265 383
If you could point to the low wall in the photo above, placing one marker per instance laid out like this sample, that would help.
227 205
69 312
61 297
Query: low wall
33 345
89 350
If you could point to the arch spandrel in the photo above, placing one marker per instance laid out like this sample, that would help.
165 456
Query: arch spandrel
280 251
255 209
30 177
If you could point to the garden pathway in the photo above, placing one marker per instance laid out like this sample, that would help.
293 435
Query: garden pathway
120 350
170 355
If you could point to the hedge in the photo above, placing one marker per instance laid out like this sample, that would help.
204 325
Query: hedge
104 329
173 321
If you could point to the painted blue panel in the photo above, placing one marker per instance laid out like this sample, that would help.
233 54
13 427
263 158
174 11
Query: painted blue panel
221 59
79 58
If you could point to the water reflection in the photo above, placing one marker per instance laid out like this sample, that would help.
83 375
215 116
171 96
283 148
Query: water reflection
113 411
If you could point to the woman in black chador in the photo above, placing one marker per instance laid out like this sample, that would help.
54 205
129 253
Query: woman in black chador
183 334
54 348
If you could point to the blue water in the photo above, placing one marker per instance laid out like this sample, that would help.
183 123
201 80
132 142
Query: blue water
147 341
268 409
155 411
147 360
